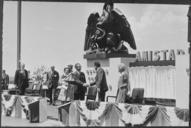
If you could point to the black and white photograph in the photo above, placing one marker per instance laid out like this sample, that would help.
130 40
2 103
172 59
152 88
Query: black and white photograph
100 63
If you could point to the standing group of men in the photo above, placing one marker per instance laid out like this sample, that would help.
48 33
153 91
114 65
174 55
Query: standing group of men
77 86
76 82
53 82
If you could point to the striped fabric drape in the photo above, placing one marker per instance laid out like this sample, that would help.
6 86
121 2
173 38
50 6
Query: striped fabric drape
157 81
120 114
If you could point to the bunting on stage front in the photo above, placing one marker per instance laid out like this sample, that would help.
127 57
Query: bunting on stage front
91 113
16 106
113 114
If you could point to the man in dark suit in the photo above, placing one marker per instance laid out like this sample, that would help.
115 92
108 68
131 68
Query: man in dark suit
100 81
21 79
53 83
80 79
5 80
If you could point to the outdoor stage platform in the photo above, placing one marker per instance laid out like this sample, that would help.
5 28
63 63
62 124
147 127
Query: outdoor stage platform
35 111
16 122
52 120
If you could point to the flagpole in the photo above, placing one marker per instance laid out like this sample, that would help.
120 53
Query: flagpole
19 9
189 40
1 43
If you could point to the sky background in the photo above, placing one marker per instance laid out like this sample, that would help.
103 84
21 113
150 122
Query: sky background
53 33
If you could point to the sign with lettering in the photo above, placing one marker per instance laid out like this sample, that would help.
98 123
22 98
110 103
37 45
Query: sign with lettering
159 55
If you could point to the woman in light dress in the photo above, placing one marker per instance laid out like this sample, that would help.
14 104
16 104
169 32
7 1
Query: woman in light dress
123 84
67 90
45 83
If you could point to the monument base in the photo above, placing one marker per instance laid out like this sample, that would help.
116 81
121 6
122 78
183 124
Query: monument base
103 55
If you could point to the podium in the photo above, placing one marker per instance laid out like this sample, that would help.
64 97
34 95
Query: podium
38 111
63 112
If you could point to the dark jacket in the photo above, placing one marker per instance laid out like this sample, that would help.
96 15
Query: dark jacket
100 80
5 80
80 80
54 78
21 80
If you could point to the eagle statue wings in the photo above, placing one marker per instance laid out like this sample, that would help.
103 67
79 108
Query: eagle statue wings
108 32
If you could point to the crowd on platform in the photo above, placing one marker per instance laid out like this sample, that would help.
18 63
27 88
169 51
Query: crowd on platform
71 85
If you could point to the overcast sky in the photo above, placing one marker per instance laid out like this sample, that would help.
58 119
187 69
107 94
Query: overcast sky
53 33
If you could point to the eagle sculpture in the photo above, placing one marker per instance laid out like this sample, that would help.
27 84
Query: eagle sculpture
108 34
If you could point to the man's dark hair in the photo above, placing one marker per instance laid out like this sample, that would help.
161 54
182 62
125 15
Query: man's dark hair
77 65
109 2
97 64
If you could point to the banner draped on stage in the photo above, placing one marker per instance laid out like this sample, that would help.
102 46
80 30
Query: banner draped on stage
25 101
91 113
78 113
8 104
157 81
16 106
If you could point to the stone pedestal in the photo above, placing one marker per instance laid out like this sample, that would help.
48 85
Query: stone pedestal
110 65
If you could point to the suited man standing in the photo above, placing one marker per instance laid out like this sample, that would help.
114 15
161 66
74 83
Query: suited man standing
80 79
5 80
21 79
100 81
53 83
